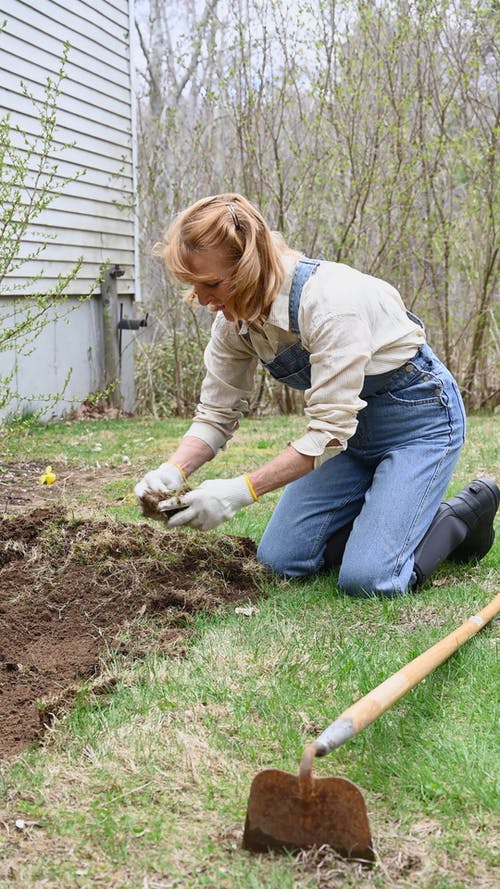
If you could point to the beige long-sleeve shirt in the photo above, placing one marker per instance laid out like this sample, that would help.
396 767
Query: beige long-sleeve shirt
352 324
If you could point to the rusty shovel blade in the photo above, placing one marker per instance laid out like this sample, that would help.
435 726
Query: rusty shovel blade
289 812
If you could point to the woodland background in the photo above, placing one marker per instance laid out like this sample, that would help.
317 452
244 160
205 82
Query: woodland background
366 132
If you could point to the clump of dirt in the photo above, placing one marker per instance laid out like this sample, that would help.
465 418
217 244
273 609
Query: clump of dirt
71 589
151 499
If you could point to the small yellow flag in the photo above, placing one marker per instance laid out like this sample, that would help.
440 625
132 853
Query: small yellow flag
48 477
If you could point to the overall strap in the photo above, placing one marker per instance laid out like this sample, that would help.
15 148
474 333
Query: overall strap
415 319
303 271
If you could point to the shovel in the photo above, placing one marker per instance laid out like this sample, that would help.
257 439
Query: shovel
289 812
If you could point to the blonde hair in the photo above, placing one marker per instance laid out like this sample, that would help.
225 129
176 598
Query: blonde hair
229 223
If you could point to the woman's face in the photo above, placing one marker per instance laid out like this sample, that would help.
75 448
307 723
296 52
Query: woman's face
214 290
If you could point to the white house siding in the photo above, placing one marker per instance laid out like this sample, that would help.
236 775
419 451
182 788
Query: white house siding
93 217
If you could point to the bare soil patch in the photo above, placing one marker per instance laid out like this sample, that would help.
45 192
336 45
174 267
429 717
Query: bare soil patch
73 588
20 488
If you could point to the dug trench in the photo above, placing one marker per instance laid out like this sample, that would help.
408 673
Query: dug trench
74 590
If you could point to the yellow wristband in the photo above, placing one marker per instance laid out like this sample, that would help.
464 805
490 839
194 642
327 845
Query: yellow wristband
252 489
171 463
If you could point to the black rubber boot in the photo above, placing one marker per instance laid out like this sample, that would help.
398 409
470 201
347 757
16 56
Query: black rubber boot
462 529
335 546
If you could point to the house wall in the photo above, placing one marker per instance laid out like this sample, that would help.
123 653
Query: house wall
93 217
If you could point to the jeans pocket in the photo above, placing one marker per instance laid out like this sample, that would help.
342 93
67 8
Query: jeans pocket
423 388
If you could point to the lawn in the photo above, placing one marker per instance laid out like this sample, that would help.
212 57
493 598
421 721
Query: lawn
142 781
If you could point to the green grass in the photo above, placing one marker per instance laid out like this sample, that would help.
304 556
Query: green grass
147 786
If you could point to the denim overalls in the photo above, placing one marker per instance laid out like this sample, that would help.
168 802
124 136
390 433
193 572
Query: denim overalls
390 480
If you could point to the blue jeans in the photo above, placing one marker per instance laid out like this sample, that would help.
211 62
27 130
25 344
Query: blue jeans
390 480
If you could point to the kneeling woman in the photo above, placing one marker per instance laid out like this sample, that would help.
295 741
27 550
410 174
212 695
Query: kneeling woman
385 420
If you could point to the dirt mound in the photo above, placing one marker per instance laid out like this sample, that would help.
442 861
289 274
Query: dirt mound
71 589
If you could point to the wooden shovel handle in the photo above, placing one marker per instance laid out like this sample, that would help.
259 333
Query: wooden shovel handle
381 698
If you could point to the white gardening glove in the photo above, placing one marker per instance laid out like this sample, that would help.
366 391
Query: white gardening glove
213 502
167 479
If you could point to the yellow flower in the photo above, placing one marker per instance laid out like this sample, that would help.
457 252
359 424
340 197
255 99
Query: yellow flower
48 477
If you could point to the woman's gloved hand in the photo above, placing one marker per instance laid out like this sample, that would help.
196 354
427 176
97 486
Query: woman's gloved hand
167 479
213 502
